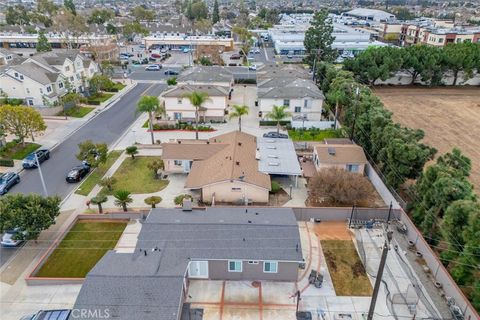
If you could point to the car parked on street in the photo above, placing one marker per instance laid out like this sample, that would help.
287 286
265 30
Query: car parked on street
257 50
9 238
7 181
30 161
171 73
276 135
252 67
235 56
76 174
153 67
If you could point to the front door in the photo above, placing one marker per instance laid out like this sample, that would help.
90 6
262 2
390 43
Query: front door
198 269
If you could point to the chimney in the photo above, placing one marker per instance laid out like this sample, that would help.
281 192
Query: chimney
187 205
237 163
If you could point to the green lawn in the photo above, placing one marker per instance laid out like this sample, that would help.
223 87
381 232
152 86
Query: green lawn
119 86
134 176
314 134
99 98
347 271
90 182
83 246
77 112
17 151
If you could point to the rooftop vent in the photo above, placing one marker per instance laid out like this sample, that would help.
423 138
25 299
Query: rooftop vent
271 147
179 141
273 156
239 144
237 163
275 164
331 151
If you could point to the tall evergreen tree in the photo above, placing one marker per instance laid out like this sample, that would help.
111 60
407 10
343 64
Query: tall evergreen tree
215 13
70 6
42 44
318 39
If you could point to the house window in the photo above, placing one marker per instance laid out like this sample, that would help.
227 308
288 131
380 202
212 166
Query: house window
270 266
177 115
179 100
49 89
67 68
30 102
71 79
177 162
352 167
286 102
298 109
21 77
41 91
60 85
306 104
253 262
16 74
234 266
440 40
236 189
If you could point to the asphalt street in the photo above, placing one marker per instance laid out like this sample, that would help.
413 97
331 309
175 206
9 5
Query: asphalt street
106 127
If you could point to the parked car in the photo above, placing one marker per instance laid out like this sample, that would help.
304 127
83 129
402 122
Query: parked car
252 67
30 161
76 174
8 180
289 56
235 56
8 239
186 50
257 50
153 67
142 46
143 61
163 50
276 135
171 73
156 55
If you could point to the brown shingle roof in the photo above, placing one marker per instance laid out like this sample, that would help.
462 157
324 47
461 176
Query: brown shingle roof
235 161
343 153
190 150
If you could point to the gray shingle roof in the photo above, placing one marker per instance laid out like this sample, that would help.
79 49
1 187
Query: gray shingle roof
206 74
37 73
139 286
211 90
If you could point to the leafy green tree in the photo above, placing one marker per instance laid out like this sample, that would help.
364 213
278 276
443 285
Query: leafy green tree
461 57
142 14
318 39
205 61
22 121
197 99
199 10
36 17
100 82
278 114
203 25
424 61
150 104
100 16
375 63
455 221
155 165
70 6
111 29
153 201
17 15
30 213
172 81
215 13
93 153
133 28
42 44
132 151
238 112
403 13
122 199
108 182
99 200
47 7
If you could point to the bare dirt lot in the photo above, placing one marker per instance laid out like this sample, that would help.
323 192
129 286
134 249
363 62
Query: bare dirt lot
450 118
332 230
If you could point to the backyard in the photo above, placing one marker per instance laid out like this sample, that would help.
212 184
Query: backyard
135 176
450 118
83 246
95 177
314 134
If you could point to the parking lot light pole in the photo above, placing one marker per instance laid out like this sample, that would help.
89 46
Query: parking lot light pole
45 192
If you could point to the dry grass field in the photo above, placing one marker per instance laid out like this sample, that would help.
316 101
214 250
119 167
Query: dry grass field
450 118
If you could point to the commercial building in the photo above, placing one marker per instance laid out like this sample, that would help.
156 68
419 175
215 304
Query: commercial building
175 246
369 14
57 40
178 42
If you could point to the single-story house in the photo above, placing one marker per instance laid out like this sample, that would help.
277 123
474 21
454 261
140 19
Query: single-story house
350 157
207 75
177 107
175 246
223 168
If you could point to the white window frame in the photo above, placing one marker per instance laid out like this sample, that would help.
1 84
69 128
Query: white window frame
235 261
178 163
350 166
270 262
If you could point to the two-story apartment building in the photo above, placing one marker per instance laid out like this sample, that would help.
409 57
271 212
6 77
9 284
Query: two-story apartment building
43 78
178 107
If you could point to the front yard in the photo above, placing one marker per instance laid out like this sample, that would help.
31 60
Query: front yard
17 151
98 98
84 245
314 134
134 176
77 112
347 271
95 177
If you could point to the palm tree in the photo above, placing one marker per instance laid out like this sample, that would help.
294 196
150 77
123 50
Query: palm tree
153 200
132 151
155 165
122 198
108 182
197 99
98 200
340 99
150 104
278 113
239 111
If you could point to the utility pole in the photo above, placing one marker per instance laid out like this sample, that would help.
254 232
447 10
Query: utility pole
378 280
357 91
351 216
389 212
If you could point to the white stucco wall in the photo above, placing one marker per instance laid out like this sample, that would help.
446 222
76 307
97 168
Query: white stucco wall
313 112
215 107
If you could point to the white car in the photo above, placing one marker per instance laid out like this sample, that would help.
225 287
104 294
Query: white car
253 67
153 67
8 239
257 50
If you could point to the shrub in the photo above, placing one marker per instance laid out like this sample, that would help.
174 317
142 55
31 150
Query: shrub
275 187
269 123
6 163
172 81
179 199
246 81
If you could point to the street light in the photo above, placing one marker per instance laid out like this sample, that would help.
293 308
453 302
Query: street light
41 175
